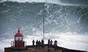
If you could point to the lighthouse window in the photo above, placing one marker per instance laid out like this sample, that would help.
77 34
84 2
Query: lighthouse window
18 38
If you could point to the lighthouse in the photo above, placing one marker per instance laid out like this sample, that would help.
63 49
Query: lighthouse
18 40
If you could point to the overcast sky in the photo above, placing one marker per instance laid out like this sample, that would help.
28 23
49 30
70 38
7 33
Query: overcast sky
68 20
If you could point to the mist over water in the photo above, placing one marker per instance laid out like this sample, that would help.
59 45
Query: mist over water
67 24
64 18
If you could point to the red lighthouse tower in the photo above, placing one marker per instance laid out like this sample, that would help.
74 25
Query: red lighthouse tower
18 40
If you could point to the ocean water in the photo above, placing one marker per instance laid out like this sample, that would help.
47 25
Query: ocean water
66 24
